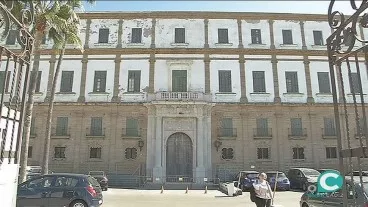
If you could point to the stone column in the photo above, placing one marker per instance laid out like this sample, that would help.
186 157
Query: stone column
120 34
200 170
207 60
240 34
306 62
152 60
272 35
115 97
277 98
157 170
243 86
51 77
208 141
82 90
150 162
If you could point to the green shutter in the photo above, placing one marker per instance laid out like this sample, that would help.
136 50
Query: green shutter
100 81
96 126
225 81
66 84
132 127
62 126
134 81
179 81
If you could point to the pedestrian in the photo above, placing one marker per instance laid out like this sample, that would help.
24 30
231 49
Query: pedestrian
263 191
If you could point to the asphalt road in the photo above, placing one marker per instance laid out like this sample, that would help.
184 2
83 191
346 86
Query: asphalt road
175 198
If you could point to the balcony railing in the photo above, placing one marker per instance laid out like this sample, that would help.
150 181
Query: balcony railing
227 132
180 96
328 133
60 132
262 132
297 132
131 132
95 132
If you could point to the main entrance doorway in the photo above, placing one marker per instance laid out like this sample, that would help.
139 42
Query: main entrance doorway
179 158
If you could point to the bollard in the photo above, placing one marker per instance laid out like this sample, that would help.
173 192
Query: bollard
205 191
162 189
186 192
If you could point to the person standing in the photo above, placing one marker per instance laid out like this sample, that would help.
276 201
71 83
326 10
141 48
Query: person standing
263 191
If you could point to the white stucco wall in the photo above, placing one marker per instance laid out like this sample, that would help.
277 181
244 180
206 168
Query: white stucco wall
309 27
145 24
194 32
294 26
297 66
111 24
259 65
231 25
100 65
263 25
232 65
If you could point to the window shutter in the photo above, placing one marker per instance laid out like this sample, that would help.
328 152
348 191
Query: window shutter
292 82
223 36
132 127
256 36
225 81
329 125
324 82
12 37
318 39
2 81
354 85
103 36
66 84
38 79
134 79
287 37
179 81
259 81
61 125
96 125
136 35
262 123
100 81
179 35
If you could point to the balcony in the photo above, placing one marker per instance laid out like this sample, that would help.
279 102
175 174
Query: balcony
329 133
95 132
227 132
180 96
60 133
262 133
131 133
297 133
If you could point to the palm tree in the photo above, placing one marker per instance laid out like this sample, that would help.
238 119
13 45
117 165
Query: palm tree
48 17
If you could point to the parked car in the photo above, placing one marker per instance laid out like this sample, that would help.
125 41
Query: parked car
245 179
324 170
335 198
301 178
60 189
283 182
356 173
100 176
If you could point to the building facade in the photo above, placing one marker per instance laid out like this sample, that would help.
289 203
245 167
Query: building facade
191 94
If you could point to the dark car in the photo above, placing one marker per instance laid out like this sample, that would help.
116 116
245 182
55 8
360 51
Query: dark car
282 183
245 179
100 176
301 178
324 170
60 189
335 198
356 173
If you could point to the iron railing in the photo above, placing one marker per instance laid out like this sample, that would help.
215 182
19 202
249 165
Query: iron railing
297 132
18 62
131 132
95 132
178 96
227 132
60 132
329 133
262 132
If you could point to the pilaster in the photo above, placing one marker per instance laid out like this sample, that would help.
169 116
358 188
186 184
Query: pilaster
120 33
306 62
152 60
243 86
206 45
51 77
115 97
304 45
207 60
240 34
274 61
157 170
82 91
272 37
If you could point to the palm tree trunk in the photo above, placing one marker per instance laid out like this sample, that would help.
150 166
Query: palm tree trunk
29 107
46 153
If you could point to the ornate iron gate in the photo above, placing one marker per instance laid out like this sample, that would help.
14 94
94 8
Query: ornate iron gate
348 56
14 75
179 158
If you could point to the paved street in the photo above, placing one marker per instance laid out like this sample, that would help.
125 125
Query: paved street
174 198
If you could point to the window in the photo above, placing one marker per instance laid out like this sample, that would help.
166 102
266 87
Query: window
136 35
62 126
263 154
318 38
30 151
132 127
354 85
130 153
296 126
298 153
103 36
259 84
43 182
62 181
348 38
134 81
12 37
227 153
66 84
95 152
262 127
225 81
59 152
100 81
329 124
227 127
324 82
331 152
33 126
292 82
4 82
287 37
179 35
179 81
223 37
96 126
256 36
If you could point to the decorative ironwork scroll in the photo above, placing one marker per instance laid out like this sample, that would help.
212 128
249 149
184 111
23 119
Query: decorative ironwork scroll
348 55
16 17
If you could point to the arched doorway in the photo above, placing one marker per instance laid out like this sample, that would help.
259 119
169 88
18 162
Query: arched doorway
179 157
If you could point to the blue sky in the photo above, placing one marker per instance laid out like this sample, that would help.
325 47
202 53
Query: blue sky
315 7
